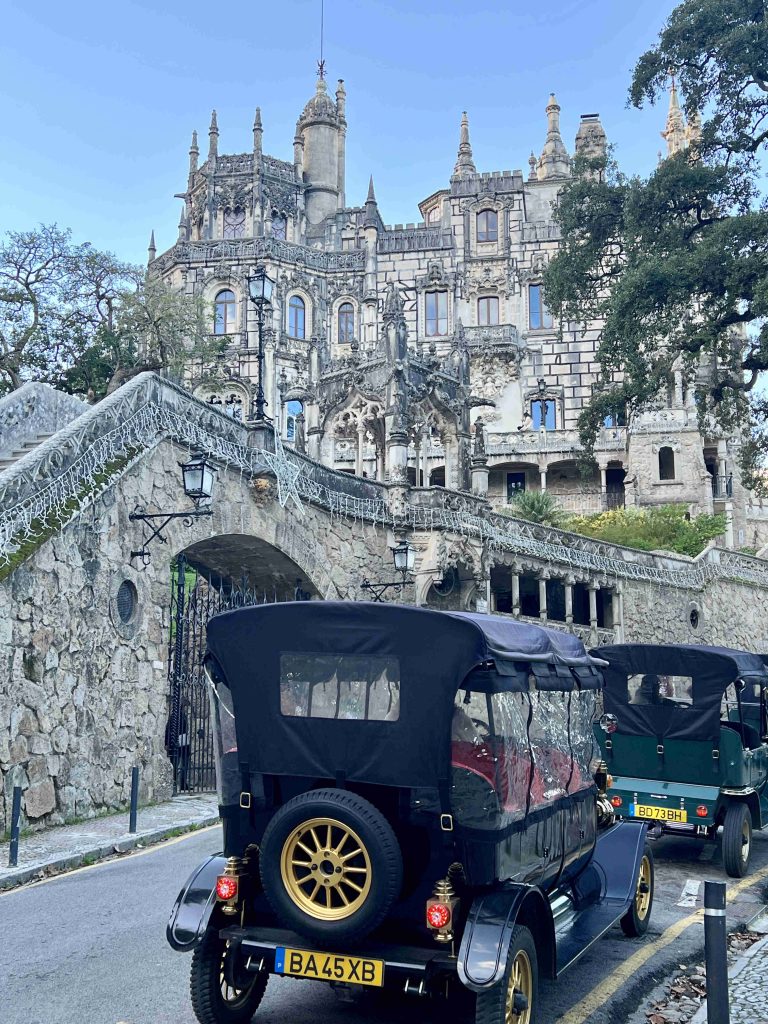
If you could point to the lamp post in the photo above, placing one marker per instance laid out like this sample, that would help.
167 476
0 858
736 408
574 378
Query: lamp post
404 557
260 290
198 478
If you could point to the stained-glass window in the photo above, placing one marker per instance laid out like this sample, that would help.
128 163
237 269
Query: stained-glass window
487 226
225 312
346 323
436 309
296 317
234 223
488 311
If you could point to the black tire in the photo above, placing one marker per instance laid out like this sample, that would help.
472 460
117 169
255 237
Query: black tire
213 1001
492 1007
636 920
737 839
298 873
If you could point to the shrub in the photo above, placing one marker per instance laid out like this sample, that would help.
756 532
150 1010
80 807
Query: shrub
664 528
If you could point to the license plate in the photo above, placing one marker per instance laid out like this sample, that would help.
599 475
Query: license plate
305 963
658 813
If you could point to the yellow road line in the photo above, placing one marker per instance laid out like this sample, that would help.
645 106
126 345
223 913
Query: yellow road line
163 844
601 993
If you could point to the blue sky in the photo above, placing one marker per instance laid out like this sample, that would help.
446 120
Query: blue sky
99 100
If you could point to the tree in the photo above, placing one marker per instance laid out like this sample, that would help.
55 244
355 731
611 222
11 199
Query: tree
674 267
85 321
535 506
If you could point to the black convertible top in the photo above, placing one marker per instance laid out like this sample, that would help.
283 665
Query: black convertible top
711 669
435 651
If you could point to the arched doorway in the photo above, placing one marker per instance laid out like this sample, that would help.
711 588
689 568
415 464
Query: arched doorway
214 575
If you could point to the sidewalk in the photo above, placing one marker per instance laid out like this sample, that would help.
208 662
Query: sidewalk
69 846
747 983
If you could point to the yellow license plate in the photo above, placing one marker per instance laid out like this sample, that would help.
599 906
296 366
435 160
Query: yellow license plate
305 963
658 813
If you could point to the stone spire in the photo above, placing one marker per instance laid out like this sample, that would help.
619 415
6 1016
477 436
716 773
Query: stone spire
182 226
674 131
371 207
194 154
213 136
152 249
554 161
257 134
465 165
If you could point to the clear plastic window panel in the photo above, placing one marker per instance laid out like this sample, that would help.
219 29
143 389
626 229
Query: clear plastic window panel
654 689
551 744
586 750
228 781
340 687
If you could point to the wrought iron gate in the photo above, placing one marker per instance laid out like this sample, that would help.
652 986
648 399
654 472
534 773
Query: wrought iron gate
195 598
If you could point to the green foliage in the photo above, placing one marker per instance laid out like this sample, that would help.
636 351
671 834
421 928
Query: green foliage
675 266
536 506
664 528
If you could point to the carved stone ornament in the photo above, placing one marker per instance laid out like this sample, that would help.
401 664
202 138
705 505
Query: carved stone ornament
666 442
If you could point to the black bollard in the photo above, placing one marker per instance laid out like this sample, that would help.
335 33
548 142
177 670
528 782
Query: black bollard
13 854
134 798
716 952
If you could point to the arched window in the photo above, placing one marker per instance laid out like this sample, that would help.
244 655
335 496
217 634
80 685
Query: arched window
225 308
296 317
539 317
436 310
234 223
346 323
666 464
487 226
279 226
488 311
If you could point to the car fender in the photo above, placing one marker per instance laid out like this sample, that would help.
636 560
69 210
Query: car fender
488 932
194 905
616 862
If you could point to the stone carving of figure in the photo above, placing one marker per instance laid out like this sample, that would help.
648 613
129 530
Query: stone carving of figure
479 436
298 437
402 341
393 300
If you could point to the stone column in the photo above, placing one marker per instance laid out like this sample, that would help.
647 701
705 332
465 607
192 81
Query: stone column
618 619
380 462
426 441
543 478
360 449
543 577
568 584
448 462
593 587
515 593
604 486
729 532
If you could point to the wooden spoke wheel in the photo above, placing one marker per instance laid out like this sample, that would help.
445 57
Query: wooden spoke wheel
326 869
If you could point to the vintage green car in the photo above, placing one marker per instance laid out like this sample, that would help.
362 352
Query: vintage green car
688 750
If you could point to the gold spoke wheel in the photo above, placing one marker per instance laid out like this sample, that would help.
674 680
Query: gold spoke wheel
643 892
520 983
326 869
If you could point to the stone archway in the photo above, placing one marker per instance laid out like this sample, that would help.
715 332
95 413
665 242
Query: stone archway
210 576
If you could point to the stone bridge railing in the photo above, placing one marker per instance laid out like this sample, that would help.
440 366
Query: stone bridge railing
48 487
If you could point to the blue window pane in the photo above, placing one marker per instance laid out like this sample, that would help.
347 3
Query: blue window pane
543 414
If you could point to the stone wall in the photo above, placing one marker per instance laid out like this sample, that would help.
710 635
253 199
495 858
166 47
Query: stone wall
84 694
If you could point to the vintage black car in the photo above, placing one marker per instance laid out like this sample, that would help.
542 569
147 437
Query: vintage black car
689 751
409 802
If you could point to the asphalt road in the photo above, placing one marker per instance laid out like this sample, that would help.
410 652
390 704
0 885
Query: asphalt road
89 948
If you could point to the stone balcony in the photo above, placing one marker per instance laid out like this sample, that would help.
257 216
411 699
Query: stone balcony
527 444
496 338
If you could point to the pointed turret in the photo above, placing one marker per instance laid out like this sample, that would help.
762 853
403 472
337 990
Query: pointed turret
194 154
465 165
257 137
183 234
152 249
213 137
321 130
371 207
674 131
554 161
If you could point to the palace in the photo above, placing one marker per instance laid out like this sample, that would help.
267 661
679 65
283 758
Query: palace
425 352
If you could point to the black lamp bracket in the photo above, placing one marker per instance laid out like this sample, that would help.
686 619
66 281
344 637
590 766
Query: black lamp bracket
164 518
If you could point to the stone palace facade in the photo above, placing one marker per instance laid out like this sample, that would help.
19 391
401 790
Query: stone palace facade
385 345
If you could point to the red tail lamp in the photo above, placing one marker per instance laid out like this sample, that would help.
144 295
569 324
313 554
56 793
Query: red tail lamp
702 811
616 801
438 915
226 887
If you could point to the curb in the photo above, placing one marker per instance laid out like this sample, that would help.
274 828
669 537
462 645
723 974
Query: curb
700 1016
15 877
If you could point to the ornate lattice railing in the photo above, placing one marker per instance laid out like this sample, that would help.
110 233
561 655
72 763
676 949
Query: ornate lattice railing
50 486
246 249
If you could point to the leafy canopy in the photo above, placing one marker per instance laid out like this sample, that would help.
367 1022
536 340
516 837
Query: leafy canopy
674 267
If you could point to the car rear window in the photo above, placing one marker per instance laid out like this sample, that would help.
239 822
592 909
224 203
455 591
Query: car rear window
342 686
650 688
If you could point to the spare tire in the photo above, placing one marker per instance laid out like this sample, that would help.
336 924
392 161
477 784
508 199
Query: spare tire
330 865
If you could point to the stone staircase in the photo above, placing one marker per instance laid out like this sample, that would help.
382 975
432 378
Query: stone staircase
7 459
